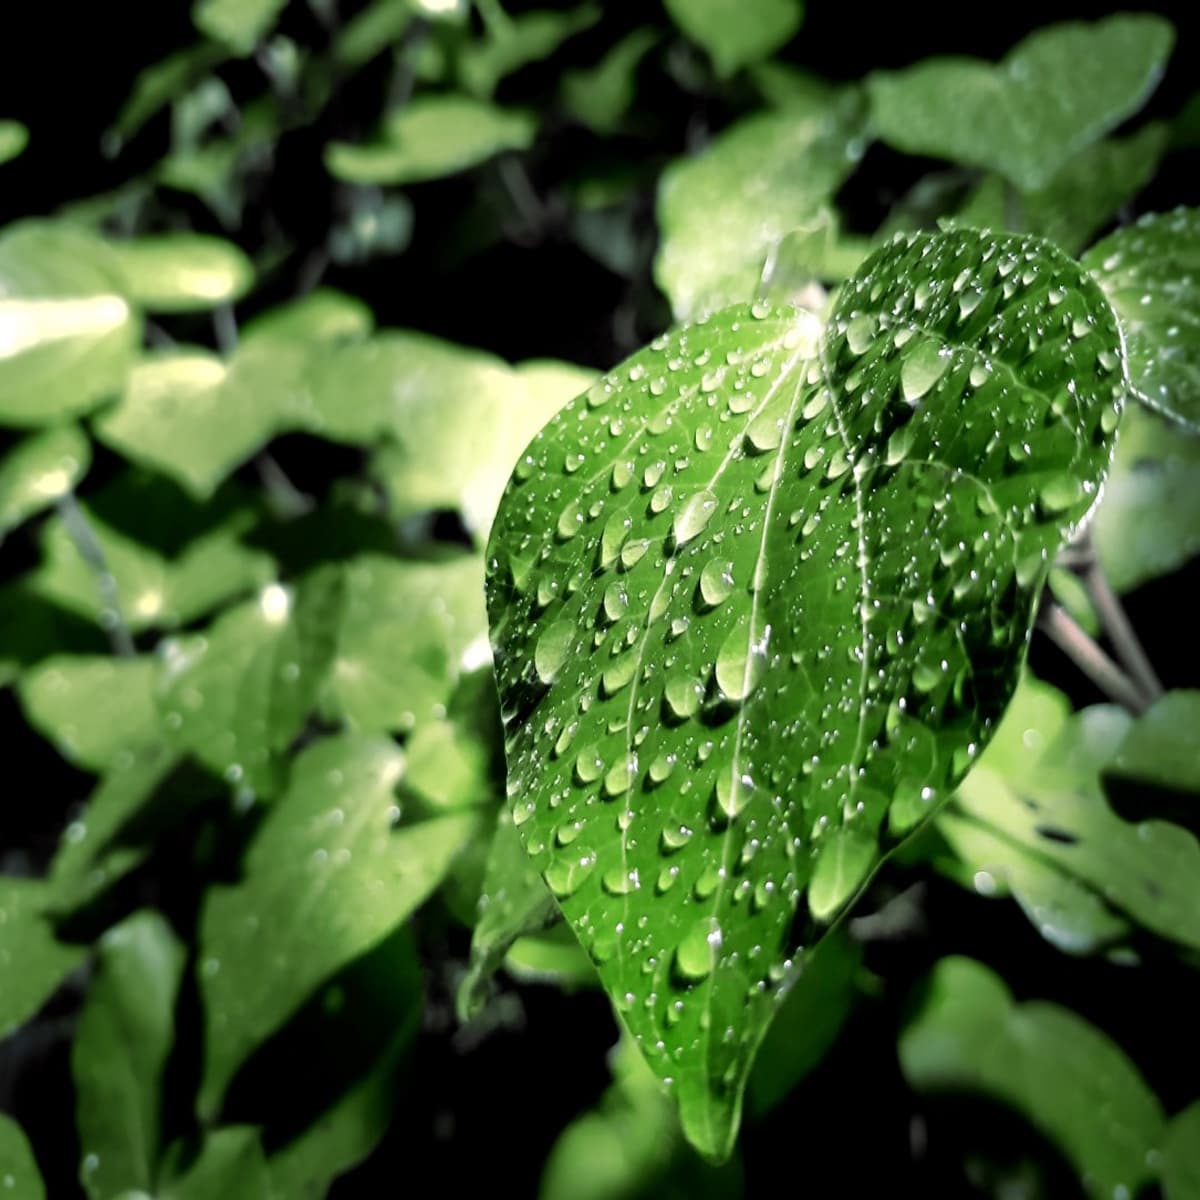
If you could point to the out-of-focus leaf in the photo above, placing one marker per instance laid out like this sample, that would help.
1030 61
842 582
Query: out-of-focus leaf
1151 273
809 256
379 25
237 694
1065 1076
230 1165
237 24
1162 746
1059 90
519 40
1179 1164
722 211
323 316
430 137
1148 523
18 1168
67 332
737 32
1071 592
91 708
330 873
32 961
39 470
182 272
120 1049
14 137
379 225
600 96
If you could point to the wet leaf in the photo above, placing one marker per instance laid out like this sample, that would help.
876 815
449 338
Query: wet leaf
92 708
736 34
1065 1076
600 96
430 137
1162 746
120 1051
1148 523
18 1168
39 470
182 272
237 24
330 874
1180 1161
32 961
765 589
1054 93
1149 272
67 332
722 211
518 40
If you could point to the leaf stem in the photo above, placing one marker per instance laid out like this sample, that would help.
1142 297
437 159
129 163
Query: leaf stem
1120 632
83 537
1065 632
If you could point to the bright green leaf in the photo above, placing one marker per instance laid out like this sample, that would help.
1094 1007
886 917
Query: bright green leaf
91 708
737 32
32 961
14 137
1060 89
119 1053
322 316
18 1168
723 211
237 24
1067 1077
230 1164
1162 746
1148 523
182 272
39 470
330 874
526 38
766 582
379 25
67 333
430 137
600 96
1149 272
1180 1159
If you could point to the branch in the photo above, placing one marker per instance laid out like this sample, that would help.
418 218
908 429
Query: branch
83 536
1066 634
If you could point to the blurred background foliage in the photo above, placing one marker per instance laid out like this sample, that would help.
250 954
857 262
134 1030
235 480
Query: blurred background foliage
285 287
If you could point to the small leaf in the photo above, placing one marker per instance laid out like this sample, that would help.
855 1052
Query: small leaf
767 582
431 136
67 332
525 38
1180 1159
1053 94
1065 1076
91 708
230 1163
323 316
1161 745
600 96
18 1168
236 24
14 137
119 1053
182 272
330 874
1149 272
723 211
1148 523
736 34
32 960
39 470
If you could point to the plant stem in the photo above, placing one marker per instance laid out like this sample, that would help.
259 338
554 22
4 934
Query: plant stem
285 497
1120 632
1066 634
83 536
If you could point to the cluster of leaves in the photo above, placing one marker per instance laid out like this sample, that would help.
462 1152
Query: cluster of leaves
759 597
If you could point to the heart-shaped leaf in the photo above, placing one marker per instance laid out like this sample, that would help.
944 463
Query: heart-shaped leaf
765 588
1151 273
1054 93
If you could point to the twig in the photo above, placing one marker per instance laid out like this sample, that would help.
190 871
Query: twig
1068 636
1120 632
225 329
83 536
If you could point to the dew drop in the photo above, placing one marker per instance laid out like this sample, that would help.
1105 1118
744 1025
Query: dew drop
697 950
716 581
742 660
693 516
551 650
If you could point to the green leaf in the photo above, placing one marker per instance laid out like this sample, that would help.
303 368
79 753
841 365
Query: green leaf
1071 592
69 333
32 960
1148 523
1180 1159
1060 89
1038 824
430 137
1065 1076
322 316
92 708
1149 272
182 272
766 582
1161 745
14 137
236 24
330 874
1080 199
18 1168
737 32
600 96
722 212
238 694
370 32
39 470
196 418
230 1163
515 42
119 1053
